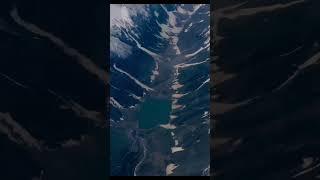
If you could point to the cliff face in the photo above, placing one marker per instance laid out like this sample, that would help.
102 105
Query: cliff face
265 95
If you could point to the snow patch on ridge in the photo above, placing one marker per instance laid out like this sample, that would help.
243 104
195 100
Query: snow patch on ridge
152 54
115 103
134 79
170 168
176 149
135 97
199 50
121 14
156 13
168 126
205 82
120 48
189 26
184 65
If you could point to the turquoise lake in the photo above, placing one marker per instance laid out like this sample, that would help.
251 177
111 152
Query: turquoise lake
154 112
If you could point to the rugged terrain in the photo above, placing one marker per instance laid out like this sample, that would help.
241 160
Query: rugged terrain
160 52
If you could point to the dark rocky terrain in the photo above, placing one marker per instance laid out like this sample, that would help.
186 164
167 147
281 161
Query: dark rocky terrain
53 81
265 91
